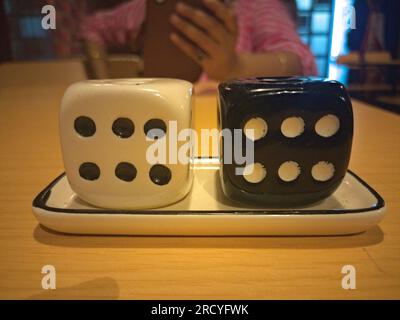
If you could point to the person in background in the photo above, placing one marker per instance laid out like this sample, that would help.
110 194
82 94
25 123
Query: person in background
248 38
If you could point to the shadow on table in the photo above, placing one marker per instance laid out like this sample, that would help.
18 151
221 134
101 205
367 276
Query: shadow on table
52 238
100 288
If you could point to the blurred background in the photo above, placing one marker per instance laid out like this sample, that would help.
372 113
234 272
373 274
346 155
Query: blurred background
354 41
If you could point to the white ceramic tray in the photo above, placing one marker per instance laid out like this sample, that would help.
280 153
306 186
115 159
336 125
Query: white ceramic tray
353 208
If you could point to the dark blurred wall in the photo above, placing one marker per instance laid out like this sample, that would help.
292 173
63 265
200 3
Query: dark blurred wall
5 45
391 12
22 37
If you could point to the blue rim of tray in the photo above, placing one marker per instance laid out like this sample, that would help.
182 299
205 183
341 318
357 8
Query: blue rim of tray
40 202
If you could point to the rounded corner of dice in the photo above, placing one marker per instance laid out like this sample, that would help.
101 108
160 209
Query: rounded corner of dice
106 127
303 130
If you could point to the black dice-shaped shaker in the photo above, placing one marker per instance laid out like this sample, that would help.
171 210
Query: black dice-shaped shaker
302 130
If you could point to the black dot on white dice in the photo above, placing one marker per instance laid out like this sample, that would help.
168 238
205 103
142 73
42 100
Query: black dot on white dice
155 129
160 174
89 171
85 126
125 171
123 127
302 132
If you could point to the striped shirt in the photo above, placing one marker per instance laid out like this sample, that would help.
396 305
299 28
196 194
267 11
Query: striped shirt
264 26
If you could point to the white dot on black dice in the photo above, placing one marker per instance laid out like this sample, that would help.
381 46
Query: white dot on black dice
254 173
255 128
289 171
327 126
292 127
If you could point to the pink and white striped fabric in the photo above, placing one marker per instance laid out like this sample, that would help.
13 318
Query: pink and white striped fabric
264 26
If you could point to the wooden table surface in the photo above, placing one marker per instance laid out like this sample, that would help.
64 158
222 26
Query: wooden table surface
184 267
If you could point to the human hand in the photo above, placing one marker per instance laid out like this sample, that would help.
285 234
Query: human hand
213 38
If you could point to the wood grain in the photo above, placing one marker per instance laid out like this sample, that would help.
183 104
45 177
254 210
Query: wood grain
186 267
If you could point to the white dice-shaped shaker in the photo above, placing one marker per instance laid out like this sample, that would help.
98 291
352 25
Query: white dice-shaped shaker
105 130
